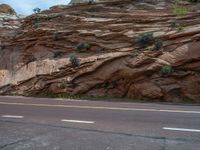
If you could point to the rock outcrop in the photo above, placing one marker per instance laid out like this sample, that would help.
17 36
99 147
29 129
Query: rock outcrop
110 58
9 23
4 8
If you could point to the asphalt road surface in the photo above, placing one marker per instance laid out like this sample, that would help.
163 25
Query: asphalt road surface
56 124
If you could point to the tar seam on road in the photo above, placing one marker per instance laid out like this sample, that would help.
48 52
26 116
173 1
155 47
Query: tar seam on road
105 108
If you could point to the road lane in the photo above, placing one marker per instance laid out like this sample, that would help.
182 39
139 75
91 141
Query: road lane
125 125
129 120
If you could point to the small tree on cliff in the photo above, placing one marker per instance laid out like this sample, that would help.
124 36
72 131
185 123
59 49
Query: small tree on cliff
36 10
36 20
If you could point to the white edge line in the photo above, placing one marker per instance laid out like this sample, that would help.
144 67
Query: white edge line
181 129
77 121
11 116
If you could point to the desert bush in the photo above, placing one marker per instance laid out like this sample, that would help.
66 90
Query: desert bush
158 45
36 19
75 61
166 70
36 22
63 84
91 2
180 10
82 47
144 39
180 28
58 54
36 10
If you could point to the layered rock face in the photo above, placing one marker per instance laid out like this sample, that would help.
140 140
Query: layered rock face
9 24
112 56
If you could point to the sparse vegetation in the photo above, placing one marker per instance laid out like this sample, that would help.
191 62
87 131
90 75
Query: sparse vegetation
166 70
58 54
144 39
63 84
60 95
75 61
180 10
81 47
91 2
175 24
36 20
36 10
180 28
158 45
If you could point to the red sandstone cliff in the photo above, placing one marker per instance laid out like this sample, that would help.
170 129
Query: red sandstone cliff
106 38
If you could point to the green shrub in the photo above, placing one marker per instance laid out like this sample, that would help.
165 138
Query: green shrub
91 2
75 61
82 47
180 10
144 39
166 70
64 84
58 54
36 19
158 45
36 10
36 22
180 28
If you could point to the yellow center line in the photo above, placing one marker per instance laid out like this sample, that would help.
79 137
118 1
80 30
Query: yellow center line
103 108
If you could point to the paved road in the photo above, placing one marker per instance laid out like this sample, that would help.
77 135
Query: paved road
34 124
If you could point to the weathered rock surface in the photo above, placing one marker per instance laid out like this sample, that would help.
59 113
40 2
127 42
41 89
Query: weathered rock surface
36 61
4 8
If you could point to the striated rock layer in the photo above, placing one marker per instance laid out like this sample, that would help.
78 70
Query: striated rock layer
35 60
